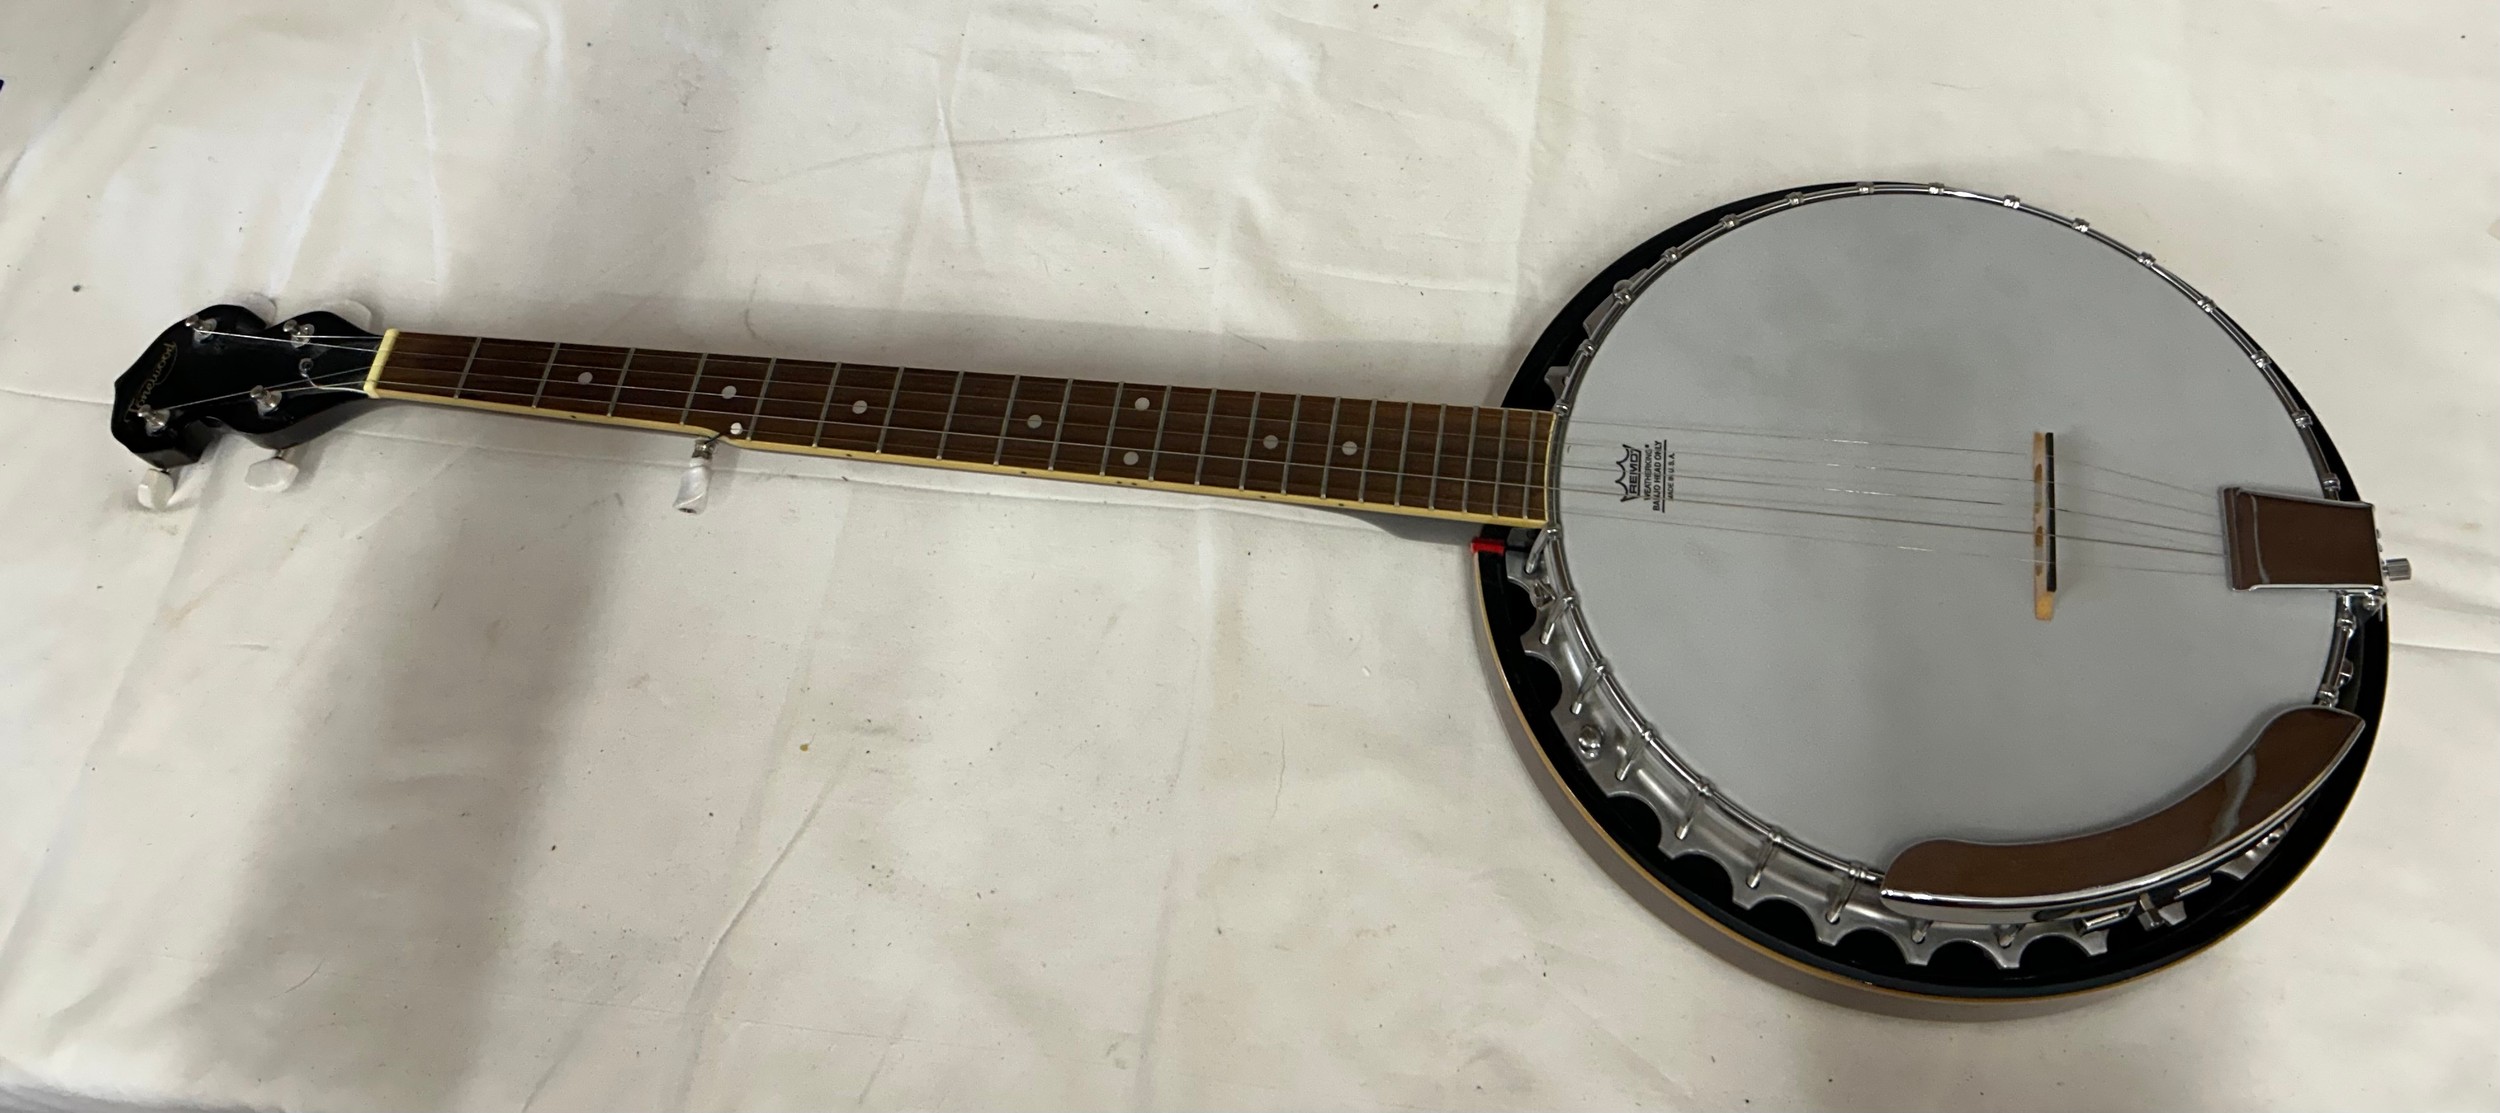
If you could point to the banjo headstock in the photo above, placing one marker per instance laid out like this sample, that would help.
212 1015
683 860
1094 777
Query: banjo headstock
224 369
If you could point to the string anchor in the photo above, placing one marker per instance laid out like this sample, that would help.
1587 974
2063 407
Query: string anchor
694 488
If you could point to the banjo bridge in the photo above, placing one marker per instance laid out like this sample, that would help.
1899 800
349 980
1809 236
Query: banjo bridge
2043 526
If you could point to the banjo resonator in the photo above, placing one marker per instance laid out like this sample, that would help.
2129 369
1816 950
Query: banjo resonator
1758 515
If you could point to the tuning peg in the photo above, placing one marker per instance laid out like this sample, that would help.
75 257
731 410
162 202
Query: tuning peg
694 488
277 473
156 489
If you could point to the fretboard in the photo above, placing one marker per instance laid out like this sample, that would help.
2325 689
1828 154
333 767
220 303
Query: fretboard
1466 462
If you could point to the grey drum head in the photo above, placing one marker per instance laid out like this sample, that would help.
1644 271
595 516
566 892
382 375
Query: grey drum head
1789 639
1795 487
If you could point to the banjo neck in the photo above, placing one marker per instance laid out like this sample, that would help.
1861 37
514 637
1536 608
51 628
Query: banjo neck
1465 463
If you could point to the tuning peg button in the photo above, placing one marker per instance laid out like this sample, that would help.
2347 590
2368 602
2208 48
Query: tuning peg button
694 488
155 489
274 474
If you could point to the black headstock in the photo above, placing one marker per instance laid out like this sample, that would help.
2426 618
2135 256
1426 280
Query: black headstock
226 370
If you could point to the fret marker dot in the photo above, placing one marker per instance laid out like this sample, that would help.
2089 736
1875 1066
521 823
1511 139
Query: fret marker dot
1142 403
729 392
1270 441
737 429
859 407
1033 422
583 378
1347 448
1129 457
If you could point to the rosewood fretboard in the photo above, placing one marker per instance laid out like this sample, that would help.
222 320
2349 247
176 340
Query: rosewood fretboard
1466 462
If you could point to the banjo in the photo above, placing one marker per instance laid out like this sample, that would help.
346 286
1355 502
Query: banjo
1914 584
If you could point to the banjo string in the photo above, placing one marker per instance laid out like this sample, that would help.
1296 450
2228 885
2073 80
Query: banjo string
1889 520
2012 558
1862 443
1683 475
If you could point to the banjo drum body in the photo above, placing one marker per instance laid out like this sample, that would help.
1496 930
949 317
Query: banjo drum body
1939 595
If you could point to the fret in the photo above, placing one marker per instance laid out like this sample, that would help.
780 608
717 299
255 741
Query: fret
1501 466
1006 414
1371 442
1206 431
1058 432
465 365
946 425
1249 433
1163 421
1293 437
885 419
686 412
1467 479
1440 430
552 351
1328 448
824 409
756 425
617 393
1111 426
1406 430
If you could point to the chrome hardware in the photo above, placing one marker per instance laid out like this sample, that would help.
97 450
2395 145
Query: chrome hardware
265 400
2394 569
1592 742
155 420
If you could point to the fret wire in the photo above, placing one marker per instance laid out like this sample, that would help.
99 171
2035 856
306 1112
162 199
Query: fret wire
998 454
1249 437
1371 423
1293 438
1067 390
946 425
1328 452
760 391
1206 430
1501 465
892 393
1111 429
543 375
1163 420
1440 433
824 409
618 394
475 343
687 410
1397 495
1467 478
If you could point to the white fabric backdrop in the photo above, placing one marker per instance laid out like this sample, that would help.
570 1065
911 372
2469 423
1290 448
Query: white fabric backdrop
466 774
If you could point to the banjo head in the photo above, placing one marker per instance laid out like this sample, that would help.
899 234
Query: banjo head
1888 615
